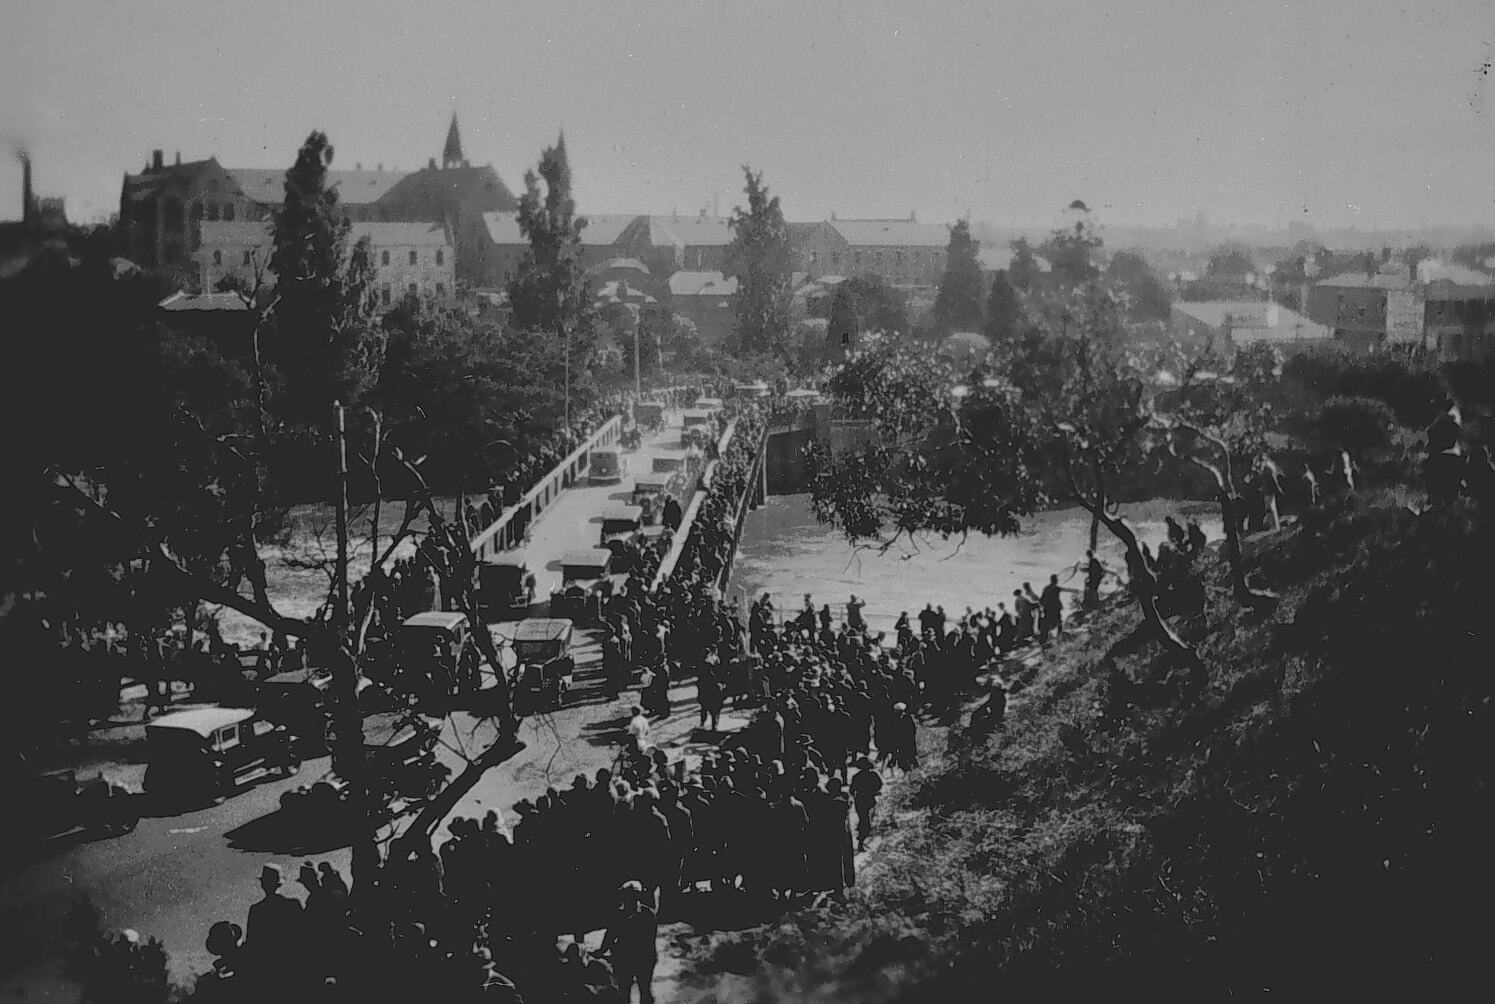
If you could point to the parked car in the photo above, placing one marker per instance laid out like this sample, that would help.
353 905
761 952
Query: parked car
436 655
297 699
584 580
542 646
405 767
649 414
505 586
208 752
56 803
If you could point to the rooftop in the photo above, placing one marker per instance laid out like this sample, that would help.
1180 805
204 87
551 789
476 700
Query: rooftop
402 234
267 184
1359 280
688 231
897 233
602 228
1252 320
203 301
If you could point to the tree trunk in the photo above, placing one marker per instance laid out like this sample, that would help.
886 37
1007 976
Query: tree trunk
348 761
1145 584
1230 512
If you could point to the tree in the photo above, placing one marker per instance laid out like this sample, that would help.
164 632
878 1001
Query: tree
1072 251
762 262
959 305
878 306
548 291
1023 271
1004 314
1147 298
325 338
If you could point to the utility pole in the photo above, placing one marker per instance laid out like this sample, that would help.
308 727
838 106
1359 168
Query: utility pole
340 615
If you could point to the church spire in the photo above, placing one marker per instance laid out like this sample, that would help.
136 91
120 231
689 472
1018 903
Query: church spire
451 155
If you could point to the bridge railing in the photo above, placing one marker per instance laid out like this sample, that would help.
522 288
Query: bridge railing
752 496
508 530
688 520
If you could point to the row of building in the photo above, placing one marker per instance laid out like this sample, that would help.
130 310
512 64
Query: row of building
1425 304
451 224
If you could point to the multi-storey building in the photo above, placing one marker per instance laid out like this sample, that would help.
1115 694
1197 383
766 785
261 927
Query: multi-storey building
408 258
901 252
163 208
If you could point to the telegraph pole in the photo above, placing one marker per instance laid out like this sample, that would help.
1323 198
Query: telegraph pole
340 615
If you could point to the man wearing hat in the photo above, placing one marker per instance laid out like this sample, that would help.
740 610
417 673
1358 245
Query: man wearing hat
275 928
631 939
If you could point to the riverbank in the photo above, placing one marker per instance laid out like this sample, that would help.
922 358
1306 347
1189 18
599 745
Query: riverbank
1308 821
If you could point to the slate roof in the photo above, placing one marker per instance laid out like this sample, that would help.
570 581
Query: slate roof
602 229
892 233
266 185
689 231
1359 280
1250 317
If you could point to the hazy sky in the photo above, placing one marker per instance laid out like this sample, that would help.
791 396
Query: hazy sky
1365 113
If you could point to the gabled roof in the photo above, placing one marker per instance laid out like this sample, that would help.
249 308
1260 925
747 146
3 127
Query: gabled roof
1359 280
1252 320
432 187
148 182
689 231
630 264
401 234
1452 272
905 233
702 284
266 185
602 229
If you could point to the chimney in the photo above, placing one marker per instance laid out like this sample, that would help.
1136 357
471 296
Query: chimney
833 217
358 165
179 158
911 217
157 161
28 207
431 163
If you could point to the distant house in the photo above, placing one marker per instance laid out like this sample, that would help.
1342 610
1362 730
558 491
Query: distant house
679 243
408 258
505 245
899 252
1459 320
1227 324
1365 310
705 298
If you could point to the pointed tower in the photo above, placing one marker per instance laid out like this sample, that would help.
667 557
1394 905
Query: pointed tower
451 154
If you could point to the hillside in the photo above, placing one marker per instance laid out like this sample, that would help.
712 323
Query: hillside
1313 821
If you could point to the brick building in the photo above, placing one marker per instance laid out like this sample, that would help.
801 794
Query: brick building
163 208
902 252
505 244
408 258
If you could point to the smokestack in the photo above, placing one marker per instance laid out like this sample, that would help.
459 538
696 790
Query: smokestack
158 159
179 158
28 204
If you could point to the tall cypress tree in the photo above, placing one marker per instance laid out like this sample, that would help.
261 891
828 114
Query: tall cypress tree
960 303
326 338
761 261
1003 313
548 290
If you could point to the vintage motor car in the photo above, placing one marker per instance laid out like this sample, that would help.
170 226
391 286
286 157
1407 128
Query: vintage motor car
645 489
620 525
506 586
208 752
649 414
756 389
542 648
436 655
297 699
584 580
58 802
711 405
607 467
404 766
694 425
670 461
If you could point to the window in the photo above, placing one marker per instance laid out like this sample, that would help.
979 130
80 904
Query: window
383 257
227 737
441 289
248 258
384 295
412 257
212 210
228 211
440 256
217 257
413 291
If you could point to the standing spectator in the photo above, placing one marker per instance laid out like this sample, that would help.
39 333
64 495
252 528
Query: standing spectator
630 940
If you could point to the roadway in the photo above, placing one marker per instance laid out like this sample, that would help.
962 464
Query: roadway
174 876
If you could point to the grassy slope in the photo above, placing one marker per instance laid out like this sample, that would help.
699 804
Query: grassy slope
1315 820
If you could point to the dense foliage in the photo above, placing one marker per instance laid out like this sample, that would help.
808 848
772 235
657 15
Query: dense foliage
761 261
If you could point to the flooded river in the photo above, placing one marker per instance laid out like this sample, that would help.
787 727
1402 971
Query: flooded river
786 553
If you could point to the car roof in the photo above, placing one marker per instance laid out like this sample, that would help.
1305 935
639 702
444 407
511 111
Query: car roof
542 629
507 562
708 402
701 413
311 674
203 721
595 556
446 619
613 450
623 512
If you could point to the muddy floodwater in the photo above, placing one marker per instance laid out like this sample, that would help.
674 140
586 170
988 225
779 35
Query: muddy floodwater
786 553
